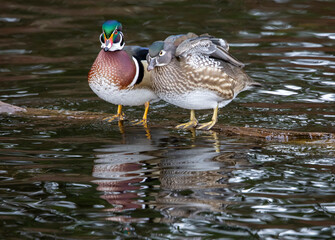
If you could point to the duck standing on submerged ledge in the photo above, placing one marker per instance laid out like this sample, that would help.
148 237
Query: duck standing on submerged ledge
196 72
119 74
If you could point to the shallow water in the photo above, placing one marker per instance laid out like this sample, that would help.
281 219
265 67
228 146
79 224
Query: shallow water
80 180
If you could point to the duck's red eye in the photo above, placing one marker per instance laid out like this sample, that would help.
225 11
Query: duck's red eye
115 31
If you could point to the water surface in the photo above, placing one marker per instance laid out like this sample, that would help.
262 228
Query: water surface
88 180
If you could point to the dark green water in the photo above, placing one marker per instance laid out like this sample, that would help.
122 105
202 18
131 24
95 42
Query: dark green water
86 180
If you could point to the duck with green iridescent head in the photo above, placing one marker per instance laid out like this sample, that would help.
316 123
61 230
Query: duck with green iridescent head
119 73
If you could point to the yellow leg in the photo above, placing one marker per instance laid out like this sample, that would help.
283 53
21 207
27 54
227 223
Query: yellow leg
190 124
209 125
144 121
119 116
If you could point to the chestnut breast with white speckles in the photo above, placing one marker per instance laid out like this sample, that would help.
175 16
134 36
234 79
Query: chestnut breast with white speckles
112 68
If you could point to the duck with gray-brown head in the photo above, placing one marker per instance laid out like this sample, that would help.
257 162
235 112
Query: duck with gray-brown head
196 72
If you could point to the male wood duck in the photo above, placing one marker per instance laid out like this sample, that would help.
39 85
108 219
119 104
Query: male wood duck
119 74
196 72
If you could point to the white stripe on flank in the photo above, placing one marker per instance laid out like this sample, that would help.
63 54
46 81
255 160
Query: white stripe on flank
136 74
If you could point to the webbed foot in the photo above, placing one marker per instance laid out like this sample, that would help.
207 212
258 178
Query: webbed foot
119 116
206 126
116 117
190 124
143 123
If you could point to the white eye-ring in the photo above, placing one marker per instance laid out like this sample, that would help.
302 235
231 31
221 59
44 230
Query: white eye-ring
161 53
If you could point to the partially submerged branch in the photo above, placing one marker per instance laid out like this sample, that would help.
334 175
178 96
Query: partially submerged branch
274 134
260 133
6 108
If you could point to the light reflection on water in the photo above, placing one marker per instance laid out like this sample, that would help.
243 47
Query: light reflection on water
199 185
71 180
201 191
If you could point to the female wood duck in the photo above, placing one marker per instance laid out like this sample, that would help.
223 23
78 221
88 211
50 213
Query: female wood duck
196 72
118 74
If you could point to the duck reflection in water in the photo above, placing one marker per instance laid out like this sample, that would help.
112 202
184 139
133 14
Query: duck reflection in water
119 172
175 175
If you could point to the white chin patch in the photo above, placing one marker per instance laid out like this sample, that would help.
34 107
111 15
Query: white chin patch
114 47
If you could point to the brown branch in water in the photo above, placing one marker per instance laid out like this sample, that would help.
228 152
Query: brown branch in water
274 134
6 108
260 133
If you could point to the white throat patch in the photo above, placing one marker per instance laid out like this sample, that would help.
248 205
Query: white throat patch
115 46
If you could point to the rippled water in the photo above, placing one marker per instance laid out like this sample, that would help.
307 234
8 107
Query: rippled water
79 180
